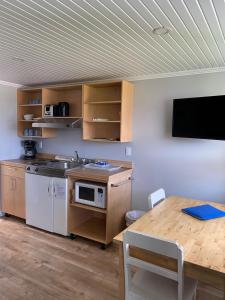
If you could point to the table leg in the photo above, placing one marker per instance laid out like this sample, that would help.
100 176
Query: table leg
121 274
224 291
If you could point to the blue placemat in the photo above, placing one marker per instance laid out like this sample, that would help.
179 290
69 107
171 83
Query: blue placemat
204 212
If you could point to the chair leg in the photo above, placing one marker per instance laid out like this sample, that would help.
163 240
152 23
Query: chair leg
194 296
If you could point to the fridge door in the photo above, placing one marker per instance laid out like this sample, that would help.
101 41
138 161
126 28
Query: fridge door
39 201
60 206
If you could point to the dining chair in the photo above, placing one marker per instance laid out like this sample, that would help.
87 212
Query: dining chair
156 197
151 281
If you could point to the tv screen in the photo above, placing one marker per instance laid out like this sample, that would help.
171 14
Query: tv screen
202 118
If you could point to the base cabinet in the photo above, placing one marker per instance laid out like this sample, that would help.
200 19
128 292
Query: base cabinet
100 224
12 191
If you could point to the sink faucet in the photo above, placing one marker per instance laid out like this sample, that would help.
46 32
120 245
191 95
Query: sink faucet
76 155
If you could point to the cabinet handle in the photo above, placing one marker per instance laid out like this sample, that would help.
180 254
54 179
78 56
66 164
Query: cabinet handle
14 179
121 183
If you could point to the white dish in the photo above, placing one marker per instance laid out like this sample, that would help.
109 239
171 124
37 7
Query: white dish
28 117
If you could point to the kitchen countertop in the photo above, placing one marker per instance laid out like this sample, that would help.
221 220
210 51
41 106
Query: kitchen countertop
98 175
78 172
18 162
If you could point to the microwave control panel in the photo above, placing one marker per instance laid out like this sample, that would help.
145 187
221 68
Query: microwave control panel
101 196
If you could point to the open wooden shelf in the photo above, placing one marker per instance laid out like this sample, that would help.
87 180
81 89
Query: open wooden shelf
88 207
91 121
94 229
111 101
103 102
29 105
72 117
102 140
70 94
32 136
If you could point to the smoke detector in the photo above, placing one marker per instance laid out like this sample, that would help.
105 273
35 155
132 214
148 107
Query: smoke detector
161 31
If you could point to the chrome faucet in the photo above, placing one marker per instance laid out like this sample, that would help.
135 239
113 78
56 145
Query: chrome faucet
76 155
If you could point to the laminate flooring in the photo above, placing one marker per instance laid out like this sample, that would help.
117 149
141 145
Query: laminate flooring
37 265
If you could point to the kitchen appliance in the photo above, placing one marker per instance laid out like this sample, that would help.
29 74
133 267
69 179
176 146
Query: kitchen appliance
46 195
29 149
64 109
46 202
90 194
51 110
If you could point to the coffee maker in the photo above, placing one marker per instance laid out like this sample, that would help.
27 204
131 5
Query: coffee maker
29 149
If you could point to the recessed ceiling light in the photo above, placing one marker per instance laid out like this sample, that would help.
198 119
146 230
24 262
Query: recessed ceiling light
18 59
163 30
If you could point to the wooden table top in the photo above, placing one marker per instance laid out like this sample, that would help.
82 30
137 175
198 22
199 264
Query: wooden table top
203 241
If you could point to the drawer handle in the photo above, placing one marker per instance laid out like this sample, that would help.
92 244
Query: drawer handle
121 183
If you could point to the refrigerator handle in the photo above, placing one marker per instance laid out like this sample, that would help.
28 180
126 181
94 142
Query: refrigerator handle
49 189
54 189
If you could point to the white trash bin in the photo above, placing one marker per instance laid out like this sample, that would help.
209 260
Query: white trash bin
133 215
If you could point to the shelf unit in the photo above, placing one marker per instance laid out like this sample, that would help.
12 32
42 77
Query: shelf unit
94 223
111 101
25 106
70 94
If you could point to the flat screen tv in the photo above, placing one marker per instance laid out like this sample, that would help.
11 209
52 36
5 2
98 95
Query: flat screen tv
202 118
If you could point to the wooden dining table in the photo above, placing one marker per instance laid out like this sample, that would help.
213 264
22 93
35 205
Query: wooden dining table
203 242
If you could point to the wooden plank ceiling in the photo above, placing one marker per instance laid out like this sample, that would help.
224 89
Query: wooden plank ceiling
43 41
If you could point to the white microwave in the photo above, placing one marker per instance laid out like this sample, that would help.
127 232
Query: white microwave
90 194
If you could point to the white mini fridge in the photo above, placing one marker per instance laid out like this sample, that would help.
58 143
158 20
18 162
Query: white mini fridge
46 203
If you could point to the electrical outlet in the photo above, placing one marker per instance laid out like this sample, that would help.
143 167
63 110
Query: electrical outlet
128 151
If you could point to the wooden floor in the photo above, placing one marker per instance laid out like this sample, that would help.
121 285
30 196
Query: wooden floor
36 265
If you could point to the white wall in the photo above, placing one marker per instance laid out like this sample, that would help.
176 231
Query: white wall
188 167
9 142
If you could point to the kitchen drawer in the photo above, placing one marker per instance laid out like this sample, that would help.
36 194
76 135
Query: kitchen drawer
13 171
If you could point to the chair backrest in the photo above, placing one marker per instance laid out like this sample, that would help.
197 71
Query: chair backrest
132 238
156 197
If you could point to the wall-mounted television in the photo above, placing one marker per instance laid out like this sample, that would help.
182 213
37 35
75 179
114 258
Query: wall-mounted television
202 118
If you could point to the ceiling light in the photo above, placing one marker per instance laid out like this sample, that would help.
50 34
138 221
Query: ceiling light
18 59
163 30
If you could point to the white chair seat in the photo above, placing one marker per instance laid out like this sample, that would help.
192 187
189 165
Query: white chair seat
150 286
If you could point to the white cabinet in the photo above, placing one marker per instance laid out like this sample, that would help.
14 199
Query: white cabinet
60 205
46 203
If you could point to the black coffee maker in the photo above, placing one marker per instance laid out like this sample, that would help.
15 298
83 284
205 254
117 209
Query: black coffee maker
29 149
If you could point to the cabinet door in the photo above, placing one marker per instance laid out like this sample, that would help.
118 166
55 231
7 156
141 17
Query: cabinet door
7 193
19 197
60 205
39 201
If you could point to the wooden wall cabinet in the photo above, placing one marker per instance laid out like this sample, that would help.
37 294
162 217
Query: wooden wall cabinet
70 94
99 224
30 102
108 111
13 190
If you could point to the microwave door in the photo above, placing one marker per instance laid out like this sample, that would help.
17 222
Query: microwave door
87 194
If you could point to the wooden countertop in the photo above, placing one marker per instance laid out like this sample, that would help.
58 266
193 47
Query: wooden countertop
17 162
98 175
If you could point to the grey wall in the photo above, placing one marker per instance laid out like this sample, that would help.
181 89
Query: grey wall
188 167
9 142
